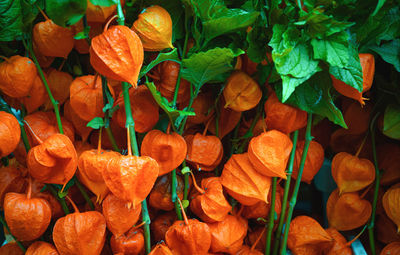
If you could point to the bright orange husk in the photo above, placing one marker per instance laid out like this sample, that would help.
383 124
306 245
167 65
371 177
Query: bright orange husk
11 180
41 248
36 97
160 195
391 249
78 123
228 119
161 249
11 249
314 161
10 133
391 204
130 243
204 151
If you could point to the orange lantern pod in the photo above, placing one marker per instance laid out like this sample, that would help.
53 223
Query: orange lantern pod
367 62
11 180
204 151
314 161
36 97
228 119
340 246
27 217
117 54
87 97
188 236
388 155
10 133
386 230
41 248
306 250
391 204
201 106
44 125
305 230
100 189
80 233
261 209
59 84
37 192
93 162
357 118
154 27
161 249
241 92
97 13
165 76
347 211
209 203
169 150
144 109
44 61
160 225
269 153
78 123
352 173
246 250
131 178
52 40
243 182
160 196
391 249
119 217
17 75
227 235
131 243
283 117
11 249
53 161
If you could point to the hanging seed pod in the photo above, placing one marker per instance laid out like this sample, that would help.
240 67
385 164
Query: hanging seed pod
80 233
10 133
357 118
144 109
160 195
307 250
93 162
36 97
188 236
227 235
261 208
241 92
87 97
11 249
117 54
154 27
314 161
339 245
11 180
368 69
305 230
27 217
388 155
161 249
97 13
44 61
78 123
352 173
52 40
160 225
391 204
201 106
283 117
44 125
243 182
209 203
246 250
37 192
391 249
204 151
269 153
100 189
17 75
227 121
130 244
169 150
165 76
119 217
347 211
53 161
59 83
41 248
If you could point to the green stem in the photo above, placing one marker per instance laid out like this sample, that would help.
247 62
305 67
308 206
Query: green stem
278 232
293 199
271 217
84 193
146 219
182 128
371 223
107 116
174 196
112 139
41 74
120 13
60 200
8 230
186 183
24 137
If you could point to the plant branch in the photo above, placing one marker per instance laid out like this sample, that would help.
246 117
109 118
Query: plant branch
271 217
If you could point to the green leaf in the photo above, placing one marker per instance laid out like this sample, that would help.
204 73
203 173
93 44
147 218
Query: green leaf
83 34
185 170
289 84
390 52
378 7
29 13
185 203
172 56
333 49
172 113
314 96
106 3
351 74
11 25
65 12
96 123
213 65
391 121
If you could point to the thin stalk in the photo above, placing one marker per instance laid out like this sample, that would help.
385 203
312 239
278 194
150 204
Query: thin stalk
271 217
24 137
84 193
130 124
107 115
4 223
293 199
278 232
60 200
112 139
371 223
174 196
193 96
186 183
41 74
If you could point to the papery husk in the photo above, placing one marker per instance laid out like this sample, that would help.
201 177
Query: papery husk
314 161
391 204
130 243
41 248
204 151
391 249
10 133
